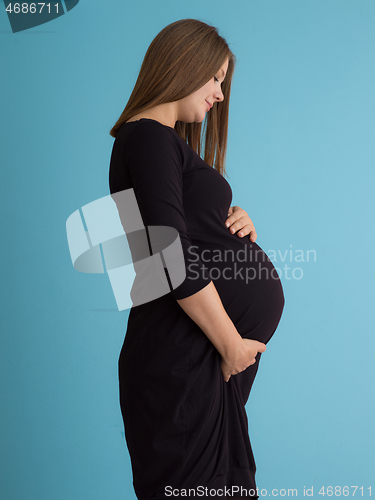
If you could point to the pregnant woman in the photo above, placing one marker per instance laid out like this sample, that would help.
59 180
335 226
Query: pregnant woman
190 357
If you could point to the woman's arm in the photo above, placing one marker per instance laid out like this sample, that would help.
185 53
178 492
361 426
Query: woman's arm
207 311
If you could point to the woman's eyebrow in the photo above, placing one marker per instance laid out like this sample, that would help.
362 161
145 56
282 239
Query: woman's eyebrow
222 72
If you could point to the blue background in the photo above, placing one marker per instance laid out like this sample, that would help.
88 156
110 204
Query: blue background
300 161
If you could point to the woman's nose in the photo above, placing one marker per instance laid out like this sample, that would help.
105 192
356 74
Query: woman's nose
219 96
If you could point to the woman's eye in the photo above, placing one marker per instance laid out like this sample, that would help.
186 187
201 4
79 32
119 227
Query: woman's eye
216 79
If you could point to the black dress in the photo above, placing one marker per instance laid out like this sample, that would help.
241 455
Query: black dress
185 426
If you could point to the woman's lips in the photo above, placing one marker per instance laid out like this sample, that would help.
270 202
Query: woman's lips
209 105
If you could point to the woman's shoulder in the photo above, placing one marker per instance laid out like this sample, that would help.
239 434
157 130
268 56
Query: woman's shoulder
147 138
146 129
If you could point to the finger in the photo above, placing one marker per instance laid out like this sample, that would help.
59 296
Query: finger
262 347
225 371
232 218
241 226
246 229
253 236
237 213
235 224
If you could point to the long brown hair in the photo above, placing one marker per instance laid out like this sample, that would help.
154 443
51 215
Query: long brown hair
182 58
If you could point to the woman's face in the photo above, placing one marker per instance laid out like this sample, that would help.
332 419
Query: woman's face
194 107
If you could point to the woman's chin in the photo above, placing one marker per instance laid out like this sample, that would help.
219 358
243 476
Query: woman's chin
197 119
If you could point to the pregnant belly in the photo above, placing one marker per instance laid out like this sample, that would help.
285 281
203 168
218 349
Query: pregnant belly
248 285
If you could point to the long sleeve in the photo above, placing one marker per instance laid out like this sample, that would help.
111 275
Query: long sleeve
153 159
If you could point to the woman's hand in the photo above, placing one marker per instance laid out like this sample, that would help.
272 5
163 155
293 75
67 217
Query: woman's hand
238 220
241 357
